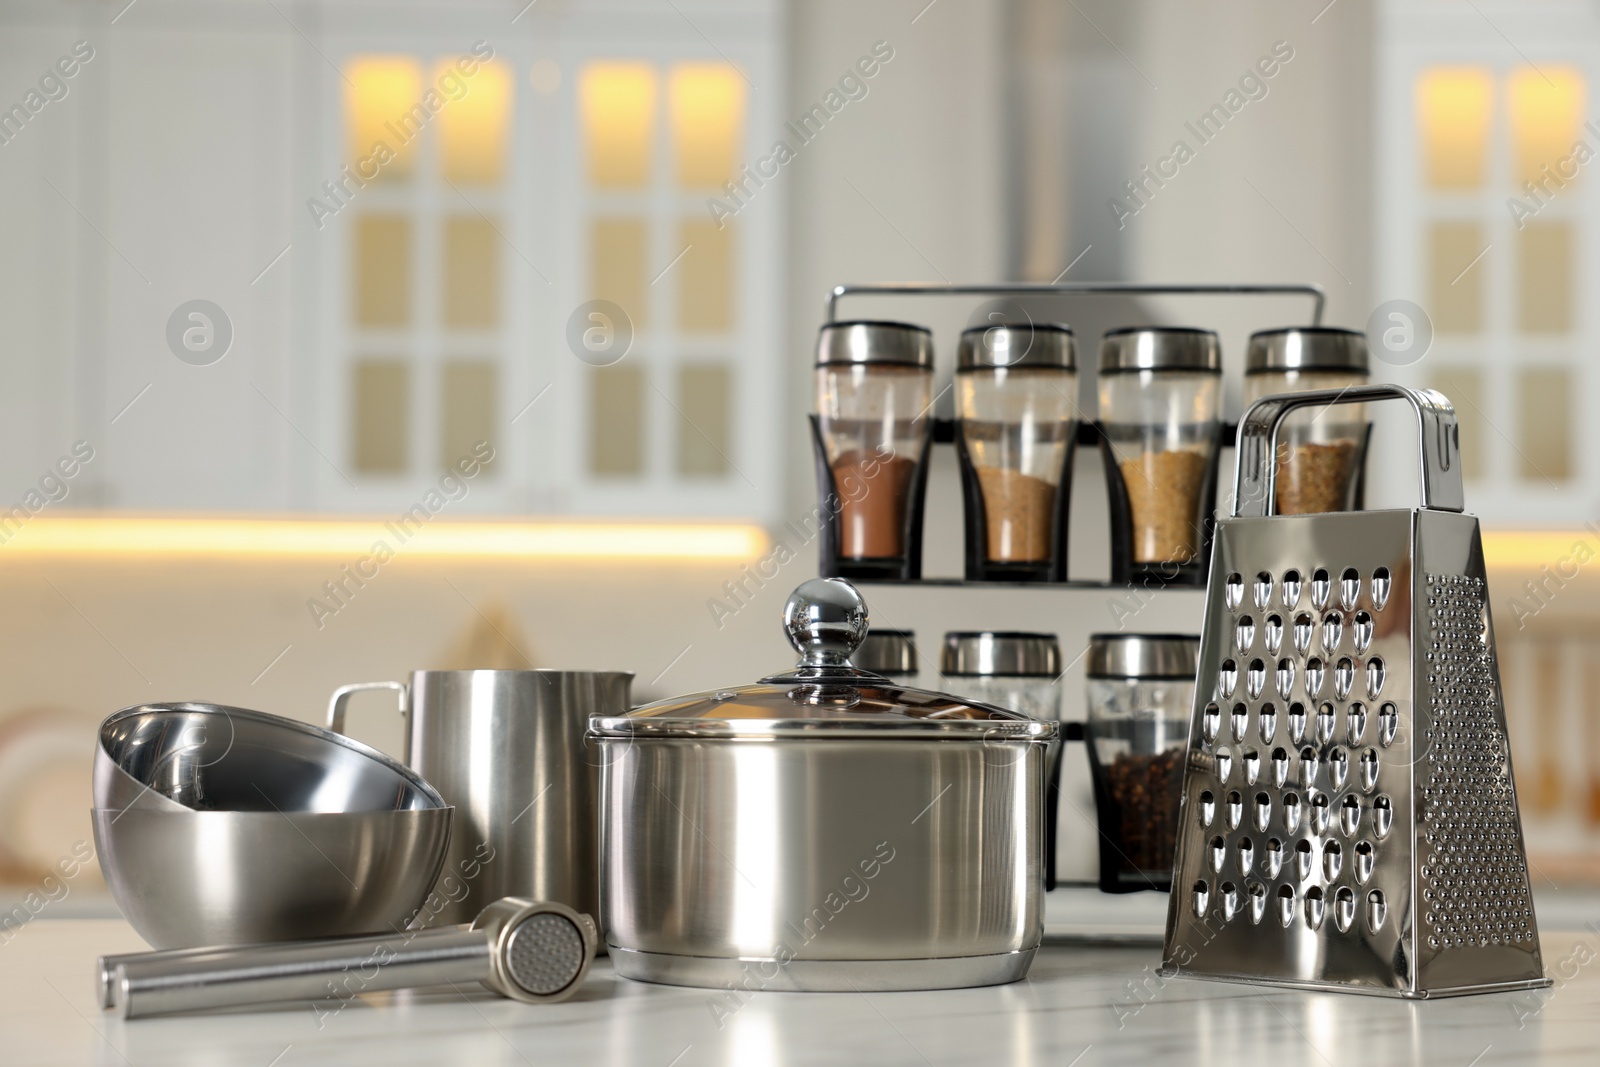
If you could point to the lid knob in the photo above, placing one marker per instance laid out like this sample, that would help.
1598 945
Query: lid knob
825 620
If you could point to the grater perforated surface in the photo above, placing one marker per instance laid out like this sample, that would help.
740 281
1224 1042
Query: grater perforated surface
1473 874
545 954
1291 754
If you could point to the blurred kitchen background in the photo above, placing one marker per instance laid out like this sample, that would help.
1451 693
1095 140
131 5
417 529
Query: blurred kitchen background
260 347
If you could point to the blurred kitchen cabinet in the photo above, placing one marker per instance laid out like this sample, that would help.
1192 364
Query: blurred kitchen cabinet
42 289
306 257
1485 220
194 203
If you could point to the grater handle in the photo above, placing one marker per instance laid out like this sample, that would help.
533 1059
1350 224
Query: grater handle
1439 444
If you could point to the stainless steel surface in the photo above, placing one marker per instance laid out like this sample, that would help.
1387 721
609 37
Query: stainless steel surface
824 976
825 620
875 342
1438 444
1144 348
891 653
983 653
1350 819
1306 348
823 828
208 757
192 878
507 749
839 292
1142 655
1017 344
530 951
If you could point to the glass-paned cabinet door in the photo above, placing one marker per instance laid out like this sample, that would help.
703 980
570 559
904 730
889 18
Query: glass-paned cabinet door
1487 217
520 248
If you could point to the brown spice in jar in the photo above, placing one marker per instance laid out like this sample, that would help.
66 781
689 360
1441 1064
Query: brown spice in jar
1146 790
1314 478
1019 514
1164 495
872 503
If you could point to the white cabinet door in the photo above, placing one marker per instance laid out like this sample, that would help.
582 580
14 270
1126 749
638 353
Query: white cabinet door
195 205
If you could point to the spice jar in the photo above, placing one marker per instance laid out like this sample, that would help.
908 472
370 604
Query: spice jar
1020 672
874 392
890 653
1016 390
1160 388
1321 451
1009 669
1141 691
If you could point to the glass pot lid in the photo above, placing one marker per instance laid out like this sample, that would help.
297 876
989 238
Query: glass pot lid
825 620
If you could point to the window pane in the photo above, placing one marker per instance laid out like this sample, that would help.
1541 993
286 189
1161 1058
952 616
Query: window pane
1453 112
380 92
471 274
617 248
383 416
1455 293
1544 419
1546 112
474 122
705 276
707 102
469 410
382 261
705 405
618 105
1464 387
616 420
1544 277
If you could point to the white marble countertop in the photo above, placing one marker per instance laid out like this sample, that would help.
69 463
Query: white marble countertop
1081 1005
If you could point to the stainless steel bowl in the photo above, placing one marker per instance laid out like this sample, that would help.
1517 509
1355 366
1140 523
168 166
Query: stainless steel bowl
190 878
208 757
218 825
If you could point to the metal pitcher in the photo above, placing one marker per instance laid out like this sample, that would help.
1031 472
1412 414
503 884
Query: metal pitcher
507 749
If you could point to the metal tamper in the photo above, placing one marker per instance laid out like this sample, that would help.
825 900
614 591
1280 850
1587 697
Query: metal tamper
528 950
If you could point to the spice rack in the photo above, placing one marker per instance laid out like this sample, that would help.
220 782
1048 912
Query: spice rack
1124 570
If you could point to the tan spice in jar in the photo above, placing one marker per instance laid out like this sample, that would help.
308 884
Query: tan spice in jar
1164 496
1019 513
1314 478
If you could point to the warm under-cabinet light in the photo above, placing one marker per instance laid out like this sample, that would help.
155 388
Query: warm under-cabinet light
243 537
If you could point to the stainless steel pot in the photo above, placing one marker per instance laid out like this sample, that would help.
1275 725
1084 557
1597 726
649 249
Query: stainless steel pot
507 749
822 830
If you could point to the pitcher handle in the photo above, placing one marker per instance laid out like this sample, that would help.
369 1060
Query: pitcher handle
1439 444
341 698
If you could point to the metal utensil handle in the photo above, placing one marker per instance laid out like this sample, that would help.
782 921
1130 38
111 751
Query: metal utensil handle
331 971
341 699
839 292
1439 444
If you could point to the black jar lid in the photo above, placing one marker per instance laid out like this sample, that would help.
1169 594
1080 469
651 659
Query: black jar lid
869 341
1179 348
1017 344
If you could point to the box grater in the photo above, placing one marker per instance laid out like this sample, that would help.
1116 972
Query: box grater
1349 818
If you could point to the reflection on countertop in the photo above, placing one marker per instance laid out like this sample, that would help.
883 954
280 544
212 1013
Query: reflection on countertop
1102 1000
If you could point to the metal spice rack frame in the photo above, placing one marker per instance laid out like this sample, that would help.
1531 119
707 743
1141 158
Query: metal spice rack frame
1124 571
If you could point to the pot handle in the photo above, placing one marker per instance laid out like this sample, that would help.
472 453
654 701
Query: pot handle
341 699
